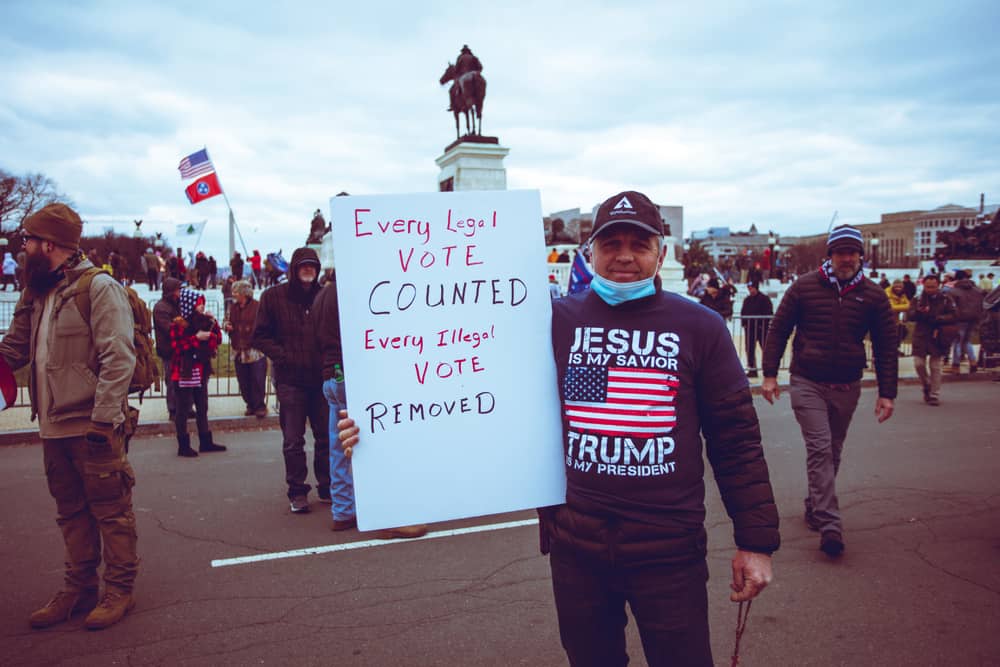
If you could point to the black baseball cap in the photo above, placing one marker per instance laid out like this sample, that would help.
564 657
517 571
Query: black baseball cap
629 207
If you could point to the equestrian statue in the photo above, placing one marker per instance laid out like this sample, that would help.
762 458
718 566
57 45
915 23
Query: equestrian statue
467 92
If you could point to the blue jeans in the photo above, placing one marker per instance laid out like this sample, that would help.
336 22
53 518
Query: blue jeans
341 480
963 344
295 405
670 605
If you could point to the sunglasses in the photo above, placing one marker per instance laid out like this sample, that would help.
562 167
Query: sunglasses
28 237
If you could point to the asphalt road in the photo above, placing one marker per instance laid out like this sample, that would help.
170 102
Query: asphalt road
919 583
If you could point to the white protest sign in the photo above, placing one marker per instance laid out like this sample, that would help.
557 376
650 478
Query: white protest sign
445 322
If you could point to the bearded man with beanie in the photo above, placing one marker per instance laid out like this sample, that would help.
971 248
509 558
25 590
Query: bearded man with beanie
831 310
643 375
78 386
285 332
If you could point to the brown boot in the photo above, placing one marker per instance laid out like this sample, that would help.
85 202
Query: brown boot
403 532
63 606
114 605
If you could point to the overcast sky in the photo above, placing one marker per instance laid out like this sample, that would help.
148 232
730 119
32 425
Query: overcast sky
766 112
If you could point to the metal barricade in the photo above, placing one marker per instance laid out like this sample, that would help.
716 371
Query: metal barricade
222 382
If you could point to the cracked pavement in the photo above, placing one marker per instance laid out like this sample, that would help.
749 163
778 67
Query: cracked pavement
919 583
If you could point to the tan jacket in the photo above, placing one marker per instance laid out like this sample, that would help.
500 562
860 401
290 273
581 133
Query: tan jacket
90 364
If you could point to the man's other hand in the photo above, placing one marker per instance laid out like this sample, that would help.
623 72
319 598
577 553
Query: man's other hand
883 409
769 387
751 575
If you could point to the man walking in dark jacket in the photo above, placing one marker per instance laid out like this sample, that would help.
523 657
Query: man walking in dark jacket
968 301
285 332
643 375
831 310
930 312
755 316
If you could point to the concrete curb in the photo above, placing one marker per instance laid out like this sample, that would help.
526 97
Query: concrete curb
29 436
166 428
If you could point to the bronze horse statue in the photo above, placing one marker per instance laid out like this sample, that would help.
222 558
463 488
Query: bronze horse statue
467 94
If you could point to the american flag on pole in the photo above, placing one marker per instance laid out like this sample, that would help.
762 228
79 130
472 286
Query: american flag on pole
620 401
196 164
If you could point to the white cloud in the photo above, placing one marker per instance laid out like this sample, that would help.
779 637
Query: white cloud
743 112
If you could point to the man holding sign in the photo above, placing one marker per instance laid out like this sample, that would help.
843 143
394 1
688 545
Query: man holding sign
643 374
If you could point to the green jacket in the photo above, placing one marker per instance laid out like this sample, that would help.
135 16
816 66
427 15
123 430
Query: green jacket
90 364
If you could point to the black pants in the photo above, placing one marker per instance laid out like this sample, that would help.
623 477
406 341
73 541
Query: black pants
170 385
754 338
295 405
670 605
252 378
186 397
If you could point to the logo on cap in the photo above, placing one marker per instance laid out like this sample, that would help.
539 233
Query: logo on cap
623 204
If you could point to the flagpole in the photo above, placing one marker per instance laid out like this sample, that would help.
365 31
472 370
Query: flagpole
232 218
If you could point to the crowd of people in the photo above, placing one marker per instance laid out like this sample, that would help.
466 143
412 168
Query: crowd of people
617 538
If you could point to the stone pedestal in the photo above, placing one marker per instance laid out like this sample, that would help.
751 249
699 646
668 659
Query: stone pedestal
472 166
672 271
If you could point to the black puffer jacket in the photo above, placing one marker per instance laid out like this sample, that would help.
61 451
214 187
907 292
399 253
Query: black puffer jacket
284 330
830 330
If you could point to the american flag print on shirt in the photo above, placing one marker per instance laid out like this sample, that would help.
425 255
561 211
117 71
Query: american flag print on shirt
620 401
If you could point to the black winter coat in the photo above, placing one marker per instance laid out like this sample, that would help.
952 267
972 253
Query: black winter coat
722 302
164 313
326 319
285 332
941 310
830 329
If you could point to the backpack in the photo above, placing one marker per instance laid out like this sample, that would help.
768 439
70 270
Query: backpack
146 373
969 303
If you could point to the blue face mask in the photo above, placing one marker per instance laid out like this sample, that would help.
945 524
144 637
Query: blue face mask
615 293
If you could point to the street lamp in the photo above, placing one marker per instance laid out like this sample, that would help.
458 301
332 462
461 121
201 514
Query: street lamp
874 252
138 229
158 241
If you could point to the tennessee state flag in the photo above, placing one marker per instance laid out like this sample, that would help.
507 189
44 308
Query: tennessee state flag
204 188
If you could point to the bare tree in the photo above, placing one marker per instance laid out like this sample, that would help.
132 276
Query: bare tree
36 191
20 196
9 200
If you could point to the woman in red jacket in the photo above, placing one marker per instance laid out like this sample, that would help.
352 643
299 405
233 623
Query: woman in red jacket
194 338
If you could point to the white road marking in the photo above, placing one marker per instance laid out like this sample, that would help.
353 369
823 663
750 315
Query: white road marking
312 551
